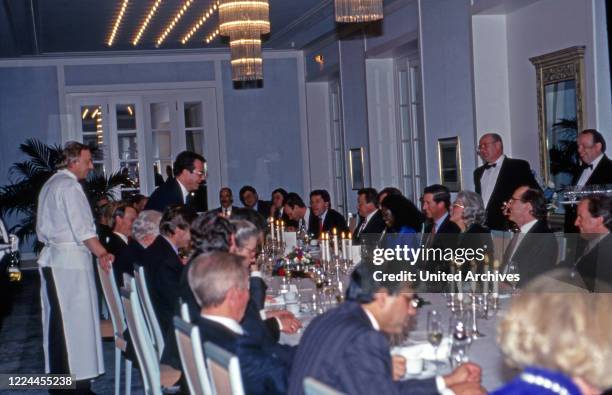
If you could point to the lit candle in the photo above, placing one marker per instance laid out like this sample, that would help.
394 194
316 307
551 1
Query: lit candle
271 222
344 254
327 252
278 230
335 232
459 284
349 246
322 244
485 281
282 229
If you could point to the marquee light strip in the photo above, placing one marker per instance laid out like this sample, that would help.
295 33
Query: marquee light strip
201 21
118 20
146 22
175 20
211 36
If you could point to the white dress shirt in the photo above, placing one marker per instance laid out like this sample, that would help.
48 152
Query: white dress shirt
587 172
489 179
366 221
184 191
122 237
439 221
523 230
64 214
227 322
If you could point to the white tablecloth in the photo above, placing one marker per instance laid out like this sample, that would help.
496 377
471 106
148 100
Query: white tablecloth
485 351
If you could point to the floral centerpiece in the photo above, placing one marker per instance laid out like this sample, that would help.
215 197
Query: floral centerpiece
295 263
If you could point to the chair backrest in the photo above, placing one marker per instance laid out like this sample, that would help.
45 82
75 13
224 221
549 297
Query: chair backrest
224 370
127 281
111 295
192 357
315 387
151 319
145 352
561 247
185 312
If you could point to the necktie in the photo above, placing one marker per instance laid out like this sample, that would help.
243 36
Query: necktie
590 166
489 165
362 227
320 225
511 247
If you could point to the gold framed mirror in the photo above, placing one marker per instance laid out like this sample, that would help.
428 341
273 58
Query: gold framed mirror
561 113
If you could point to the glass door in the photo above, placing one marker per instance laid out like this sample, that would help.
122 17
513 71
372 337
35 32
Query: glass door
338 147
92 127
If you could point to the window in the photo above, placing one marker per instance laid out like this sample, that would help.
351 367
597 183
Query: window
338 148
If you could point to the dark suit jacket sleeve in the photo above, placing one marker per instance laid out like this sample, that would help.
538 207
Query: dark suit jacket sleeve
367 370
257 291
525 171
262 373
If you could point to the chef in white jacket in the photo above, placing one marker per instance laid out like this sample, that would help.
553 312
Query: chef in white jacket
71 329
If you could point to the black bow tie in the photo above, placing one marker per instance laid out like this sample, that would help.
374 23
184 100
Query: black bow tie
584 166
489 165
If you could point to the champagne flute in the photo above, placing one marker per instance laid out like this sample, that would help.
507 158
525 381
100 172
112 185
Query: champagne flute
434 332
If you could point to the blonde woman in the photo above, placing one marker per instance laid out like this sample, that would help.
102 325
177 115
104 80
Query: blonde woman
561 339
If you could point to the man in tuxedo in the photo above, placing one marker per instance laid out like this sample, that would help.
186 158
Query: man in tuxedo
226 198
498 178
220 283
594 219
144 231
189 173
347 348
297 211
122 218
250 199
324 218
533 249
370 217
596 169
163 265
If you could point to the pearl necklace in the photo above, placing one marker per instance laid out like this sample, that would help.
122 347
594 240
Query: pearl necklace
541 381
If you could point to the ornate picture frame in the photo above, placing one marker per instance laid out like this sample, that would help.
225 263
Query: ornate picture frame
561 112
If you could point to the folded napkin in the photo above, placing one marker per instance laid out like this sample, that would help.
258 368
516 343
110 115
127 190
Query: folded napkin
424 351
274 301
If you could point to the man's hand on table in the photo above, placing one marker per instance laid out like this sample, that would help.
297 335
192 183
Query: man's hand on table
468 388
467 372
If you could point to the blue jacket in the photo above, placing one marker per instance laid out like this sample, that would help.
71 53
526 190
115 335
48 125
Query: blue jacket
343 350
525 383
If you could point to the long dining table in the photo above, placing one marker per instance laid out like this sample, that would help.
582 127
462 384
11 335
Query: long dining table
483 351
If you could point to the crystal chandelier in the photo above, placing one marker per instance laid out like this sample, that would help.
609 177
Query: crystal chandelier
352 11
246 61
244 21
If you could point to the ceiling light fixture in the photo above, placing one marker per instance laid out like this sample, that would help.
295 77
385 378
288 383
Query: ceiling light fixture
196 26
146 22
118 20
211 36
355 11
174 21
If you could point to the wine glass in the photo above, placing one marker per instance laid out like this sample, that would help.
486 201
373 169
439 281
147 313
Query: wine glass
434 332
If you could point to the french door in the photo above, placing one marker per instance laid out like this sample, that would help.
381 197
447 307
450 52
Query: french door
140 134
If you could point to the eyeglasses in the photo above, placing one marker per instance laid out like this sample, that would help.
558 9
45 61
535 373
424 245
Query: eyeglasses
458 205
199 173
484 145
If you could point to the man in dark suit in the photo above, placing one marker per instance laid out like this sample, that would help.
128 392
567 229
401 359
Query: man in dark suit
250 199
322 217
533 249
189 173
297 211
163 266
498 178
122 218
347 347
220 283
594 219
596 169
436 204
226 199
370 217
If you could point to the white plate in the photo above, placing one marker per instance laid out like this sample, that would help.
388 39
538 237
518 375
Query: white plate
429 370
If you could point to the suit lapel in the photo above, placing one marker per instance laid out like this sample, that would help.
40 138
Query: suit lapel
596 172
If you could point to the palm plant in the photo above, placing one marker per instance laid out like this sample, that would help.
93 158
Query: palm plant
27 178
564 155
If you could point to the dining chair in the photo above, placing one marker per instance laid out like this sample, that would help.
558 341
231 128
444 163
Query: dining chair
156 378
315 387
111 295
224 370
149 311
192 357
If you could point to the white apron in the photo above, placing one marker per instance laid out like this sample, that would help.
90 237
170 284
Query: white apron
75 286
